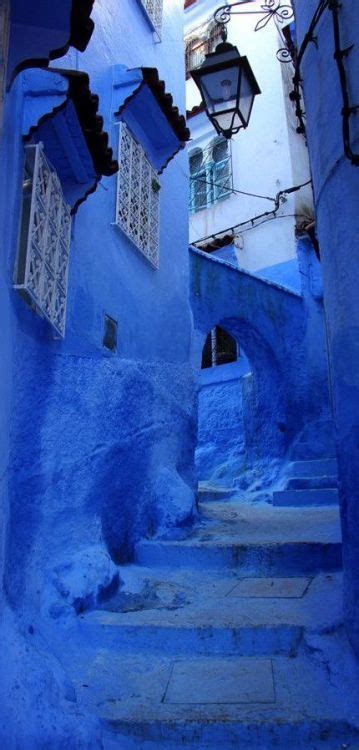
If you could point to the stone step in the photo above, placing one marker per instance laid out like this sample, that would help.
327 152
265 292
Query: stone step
315 468
206 493
231 616
300 498
291 558
303 451
260 540
312 483
150 703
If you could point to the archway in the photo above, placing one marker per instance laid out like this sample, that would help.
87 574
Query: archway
240 410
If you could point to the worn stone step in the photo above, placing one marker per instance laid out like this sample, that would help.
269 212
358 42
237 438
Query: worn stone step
303 451
291 558
230 616
312 483
206 493
314 468
229 702
300 498
258 539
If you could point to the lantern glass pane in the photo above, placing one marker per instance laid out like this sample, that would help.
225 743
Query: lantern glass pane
228 121
246 96
220 88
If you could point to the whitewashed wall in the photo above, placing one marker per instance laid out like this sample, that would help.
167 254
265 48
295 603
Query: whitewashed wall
267 157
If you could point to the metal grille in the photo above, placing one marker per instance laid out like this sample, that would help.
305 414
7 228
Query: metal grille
201 44
220 348
210 175
154 9
137 212
42 264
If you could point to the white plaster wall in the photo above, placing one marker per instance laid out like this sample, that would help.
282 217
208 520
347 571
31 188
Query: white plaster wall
262 159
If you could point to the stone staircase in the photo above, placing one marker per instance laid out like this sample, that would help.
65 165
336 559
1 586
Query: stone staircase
228 639
310 482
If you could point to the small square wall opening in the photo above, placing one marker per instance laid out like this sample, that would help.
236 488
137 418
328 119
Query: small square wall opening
110 334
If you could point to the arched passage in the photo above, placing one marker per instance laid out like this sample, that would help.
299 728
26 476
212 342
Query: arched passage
241 416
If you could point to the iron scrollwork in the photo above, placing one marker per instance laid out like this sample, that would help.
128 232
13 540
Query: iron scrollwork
272 9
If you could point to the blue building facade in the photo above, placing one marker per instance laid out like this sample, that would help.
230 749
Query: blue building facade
252 411
98 425
105 318
333 137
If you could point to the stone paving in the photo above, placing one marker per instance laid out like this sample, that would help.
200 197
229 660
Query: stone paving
247 651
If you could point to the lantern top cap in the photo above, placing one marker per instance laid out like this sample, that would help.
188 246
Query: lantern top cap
224 55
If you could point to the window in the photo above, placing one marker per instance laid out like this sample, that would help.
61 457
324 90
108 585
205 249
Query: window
137 211
210 175
44 243
196 49
110 334
199 46
153 10
220 348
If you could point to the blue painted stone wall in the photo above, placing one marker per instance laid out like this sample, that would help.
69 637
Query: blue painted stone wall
287 274
220 453
270 323
336 184
283 335
96 448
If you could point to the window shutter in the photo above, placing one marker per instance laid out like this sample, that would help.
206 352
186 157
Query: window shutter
43 257
137 212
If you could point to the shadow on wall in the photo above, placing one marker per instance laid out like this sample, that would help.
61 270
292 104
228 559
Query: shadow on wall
102 458
241 416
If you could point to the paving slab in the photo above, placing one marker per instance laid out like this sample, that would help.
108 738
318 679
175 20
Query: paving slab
245 680
271 588
263 523
210 620
307 703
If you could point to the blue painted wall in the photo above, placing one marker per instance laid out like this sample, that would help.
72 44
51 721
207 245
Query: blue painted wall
257 418
97 448
220 453
336 185
287 274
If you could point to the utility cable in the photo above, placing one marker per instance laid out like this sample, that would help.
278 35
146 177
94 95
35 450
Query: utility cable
231 190
265 215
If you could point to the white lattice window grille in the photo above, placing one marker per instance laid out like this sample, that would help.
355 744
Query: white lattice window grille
210 174
154 11
45 234
137 211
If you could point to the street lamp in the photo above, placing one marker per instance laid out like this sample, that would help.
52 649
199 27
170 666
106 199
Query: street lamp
225 79
228 87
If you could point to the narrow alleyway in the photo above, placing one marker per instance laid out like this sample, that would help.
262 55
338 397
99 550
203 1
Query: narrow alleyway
231 637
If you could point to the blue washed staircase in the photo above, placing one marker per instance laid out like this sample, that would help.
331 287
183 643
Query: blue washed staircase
231 638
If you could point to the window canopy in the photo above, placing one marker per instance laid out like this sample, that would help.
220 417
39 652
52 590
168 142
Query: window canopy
60 111
41 31
148 110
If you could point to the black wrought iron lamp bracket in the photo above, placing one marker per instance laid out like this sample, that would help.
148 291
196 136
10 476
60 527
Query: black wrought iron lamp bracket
271 9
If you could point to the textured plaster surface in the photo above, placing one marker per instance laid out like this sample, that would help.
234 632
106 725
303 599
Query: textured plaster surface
93 443
282 335
336 185
202 668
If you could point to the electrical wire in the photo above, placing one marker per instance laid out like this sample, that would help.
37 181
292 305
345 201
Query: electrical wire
266 215
231 190
309 37
339 55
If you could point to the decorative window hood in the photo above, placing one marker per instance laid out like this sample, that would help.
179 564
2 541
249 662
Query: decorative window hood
61 112
142 102
42 31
